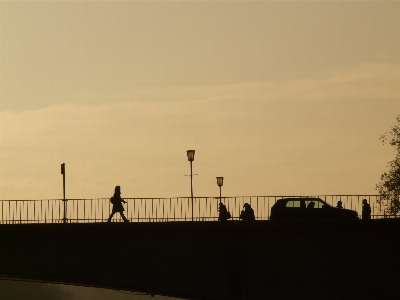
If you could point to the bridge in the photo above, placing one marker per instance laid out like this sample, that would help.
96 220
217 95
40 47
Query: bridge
212 260
261 259
154 209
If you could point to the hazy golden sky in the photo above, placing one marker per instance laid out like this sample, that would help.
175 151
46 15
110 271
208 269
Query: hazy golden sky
279 97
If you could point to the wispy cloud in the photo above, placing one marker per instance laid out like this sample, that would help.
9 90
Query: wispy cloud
264 137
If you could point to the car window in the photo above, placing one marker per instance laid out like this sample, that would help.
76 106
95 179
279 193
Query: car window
293 203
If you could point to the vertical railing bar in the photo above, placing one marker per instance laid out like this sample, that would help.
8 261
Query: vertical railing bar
152 209
22 211
59 211
134 208
77 210
90 211
41 211
173 208
145 209
95 210
34 211
84 211
27 212
157 210
20 216
163 209
102 209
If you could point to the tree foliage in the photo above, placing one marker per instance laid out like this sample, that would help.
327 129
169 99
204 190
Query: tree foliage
389 186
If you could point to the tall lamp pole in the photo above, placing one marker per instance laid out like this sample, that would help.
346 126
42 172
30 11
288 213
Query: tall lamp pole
190 155
220 182
64 201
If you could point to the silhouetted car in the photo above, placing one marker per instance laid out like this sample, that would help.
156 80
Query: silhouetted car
308 208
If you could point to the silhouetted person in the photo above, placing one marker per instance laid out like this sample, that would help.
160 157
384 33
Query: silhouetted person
247 213
117 201
339 204
311 205
224 214
366 210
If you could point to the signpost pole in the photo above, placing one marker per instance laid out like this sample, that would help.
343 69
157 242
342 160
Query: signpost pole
64 200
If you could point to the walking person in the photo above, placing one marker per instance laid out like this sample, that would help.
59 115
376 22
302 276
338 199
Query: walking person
117 201
366 210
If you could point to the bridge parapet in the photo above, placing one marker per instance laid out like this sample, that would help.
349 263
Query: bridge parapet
153 209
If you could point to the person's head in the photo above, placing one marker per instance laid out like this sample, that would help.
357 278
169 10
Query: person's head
118 189
364 201
246 205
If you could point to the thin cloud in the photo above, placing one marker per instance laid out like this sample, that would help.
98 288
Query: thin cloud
137 142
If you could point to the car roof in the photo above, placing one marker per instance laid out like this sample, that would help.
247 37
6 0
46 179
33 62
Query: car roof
300 198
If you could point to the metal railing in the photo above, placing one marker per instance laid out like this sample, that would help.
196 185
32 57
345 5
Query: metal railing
154 209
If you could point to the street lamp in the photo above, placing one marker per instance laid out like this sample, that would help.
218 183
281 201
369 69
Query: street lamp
64 200
190 155
220 182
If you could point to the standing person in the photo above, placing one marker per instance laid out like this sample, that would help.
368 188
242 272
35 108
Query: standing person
366 210
247 213
117 201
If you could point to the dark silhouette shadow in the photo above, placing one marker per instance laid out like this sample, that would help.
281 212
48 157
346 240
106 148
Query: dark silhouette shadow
366 210
309 208
224 214
117 201
339 204
302 203
311 205
247 213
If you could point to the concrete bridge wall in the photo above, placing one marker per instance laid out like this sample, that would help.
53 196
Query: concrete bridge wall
212 260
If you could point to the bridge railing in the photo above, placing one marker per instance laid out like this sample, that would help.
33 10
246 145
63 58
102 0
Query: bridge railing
154 209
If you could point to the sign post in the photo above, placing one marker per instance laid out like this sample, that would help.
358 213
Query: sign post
64 200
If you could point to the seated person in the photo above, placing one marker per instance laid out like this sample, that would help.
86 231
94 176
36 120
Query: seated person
339 204
247 213
302 203
224 214
311 205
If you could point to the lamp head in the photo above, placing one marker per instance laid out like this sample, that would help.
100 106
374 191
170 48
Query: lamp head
190 155
220 181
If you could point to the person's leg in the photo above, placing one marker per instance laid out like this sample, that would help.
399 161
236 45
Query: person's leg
110 217
123 217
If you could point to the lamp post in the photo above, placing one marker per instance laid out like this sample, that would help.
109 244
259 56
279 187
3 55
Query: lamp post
190 155
64 200
220 182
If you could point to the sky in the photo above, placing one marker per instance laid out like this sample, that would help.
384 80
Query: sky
278 97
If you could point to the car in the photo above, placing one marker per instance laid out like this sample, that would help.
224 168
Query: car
308 208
